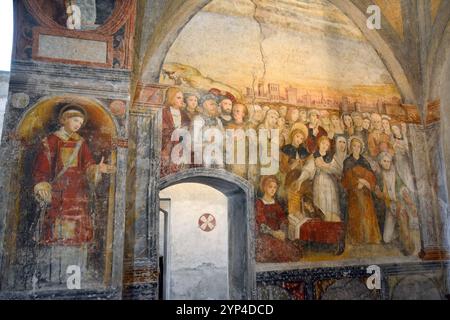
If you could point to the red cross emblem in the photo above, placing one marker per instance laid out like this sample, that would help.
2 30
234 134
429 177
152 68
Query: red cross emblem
207 222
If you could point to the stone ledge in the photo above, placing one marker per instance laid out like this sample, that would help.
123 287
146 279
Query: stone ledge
72 71
47 78
387 269
93 294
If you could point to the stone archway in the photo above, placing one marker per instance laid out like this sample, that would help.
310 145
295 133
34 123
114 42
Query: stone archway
241 217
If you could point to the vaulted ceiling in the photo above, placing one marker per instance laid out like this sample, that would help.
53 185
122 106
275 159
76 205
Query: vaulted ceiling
411 37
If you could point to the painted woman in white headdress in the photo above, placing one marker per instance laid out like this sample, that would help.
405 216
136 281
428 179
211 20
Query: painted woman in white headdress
322 169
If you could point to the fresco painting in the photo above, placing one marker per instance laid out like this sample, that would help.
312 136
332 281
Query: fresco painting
66 178
344 188
324 139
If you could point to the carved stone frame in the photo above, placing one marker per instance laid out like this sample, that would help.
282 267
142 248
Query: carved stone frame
123 16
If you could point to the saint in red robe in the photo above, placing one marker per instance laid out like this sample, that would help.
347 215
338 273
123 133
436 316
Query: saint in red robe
64 166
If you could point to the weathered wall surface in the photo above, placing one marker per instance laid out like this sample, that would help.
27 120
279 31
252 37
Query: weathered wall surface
315 55
198 257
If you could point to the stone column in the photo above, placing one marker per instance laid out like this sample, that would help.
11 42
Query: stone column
142 225
429 172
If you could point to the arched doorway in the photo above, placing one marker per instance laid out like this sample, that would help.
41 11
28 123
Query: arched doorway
194 235
240 213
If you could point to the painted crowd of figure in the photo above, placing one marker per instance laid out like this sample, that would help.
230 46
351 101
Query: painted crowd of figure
350 168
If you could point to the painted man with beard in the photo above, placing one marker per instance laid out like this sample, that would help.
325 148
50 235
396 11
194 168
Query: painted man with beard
226 109
209 118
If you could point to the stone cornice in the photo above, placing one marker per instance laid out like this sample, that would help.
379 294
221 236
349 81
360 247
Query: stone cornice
49 78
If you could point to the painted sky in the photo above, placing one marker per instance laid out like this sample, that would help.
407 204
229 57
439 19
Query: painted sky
308 44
